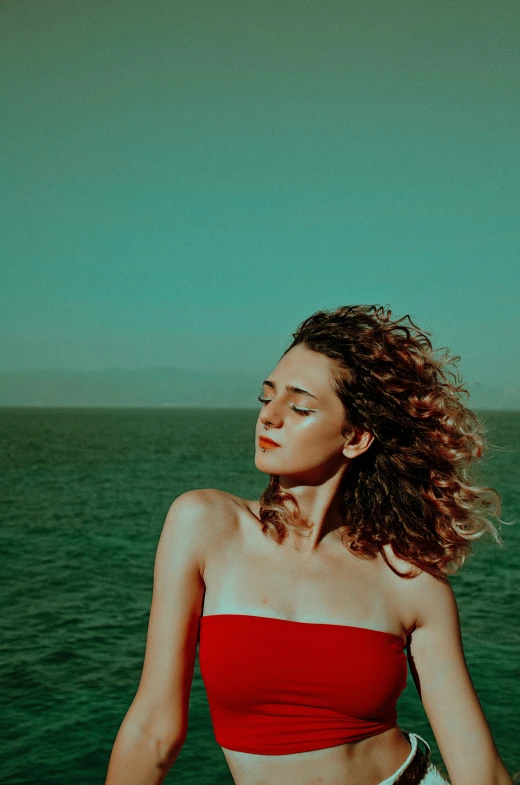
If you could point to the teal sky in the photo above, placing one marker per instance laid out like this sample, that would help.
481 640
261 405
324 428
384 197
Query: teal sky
183 183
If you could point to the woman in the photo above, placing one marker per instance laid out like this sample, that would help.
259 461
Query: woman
309 601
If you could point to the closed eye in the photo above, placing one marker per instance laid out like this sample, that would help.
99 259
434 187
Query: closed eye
297 409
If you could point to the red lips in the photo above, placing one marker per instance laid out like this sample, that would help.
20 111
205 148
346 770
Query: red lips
267 443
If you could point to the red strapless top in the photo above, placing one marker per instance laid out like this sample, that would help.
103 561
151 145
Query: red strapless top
277 687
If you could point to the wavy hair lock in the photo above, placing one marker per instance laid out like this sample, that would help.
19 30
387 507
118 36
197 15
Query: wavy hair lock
412 488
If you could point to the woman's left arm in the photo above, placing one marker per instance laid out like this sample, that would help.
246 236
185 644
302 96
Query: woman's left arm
444 684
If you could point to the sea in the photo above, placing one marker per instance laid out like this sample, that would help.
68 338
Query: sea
84 494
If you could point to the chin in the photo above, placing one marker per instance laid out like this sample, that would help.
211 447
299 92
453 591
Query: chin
265 463
260 465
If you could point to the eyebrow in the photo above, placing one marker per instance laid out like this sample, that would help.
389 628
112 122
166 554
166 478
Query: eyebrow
290 388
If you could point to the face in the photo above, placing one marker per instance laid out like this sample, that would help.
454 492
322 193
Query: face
307 420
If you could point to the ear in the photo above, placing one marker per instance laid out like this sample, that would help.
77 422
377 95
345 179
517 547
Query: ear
358 442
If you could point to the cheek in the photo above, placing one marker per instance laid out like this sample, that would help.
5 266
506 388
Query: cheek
318 437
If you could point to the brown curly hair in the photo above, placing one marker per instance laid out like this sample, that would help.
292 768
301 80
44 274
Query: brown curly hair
412 487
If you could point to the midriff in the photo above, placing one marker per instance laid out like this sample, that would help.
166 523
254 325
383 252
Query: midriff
366 762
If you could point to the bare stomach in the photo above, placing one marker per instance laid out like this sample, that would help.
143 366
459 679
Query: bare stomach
366 762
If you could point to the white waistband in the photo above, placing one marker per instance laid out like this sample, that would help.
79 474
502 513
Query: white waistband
413 742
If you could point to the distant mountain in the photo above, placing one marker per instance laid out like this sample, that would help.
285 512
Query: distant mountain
123 387
483 396
165 386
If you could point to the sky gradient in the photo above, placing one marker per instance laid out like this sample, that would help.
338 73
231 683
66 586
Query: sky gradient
183 183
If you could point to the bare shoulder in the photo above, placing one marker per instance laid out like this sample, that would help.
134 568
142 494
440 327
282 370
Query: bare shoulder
423 597
206 510
434 601
200 499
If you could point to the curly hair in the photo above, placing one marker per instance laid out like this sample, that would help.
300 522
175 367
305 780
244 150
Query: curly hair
412 488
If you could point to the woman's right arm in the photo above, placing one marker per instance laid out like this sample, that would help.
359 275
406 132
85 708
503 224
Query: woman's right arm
156 724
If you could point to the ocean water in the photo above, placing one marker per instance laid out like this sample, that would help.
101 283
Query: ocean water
84 494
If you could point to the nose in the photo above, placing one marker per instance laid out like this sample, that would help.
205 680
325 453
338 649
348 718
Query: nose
271 413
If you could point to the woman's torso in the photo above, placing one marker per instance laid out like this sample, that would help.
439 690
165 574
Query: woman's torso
248 573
